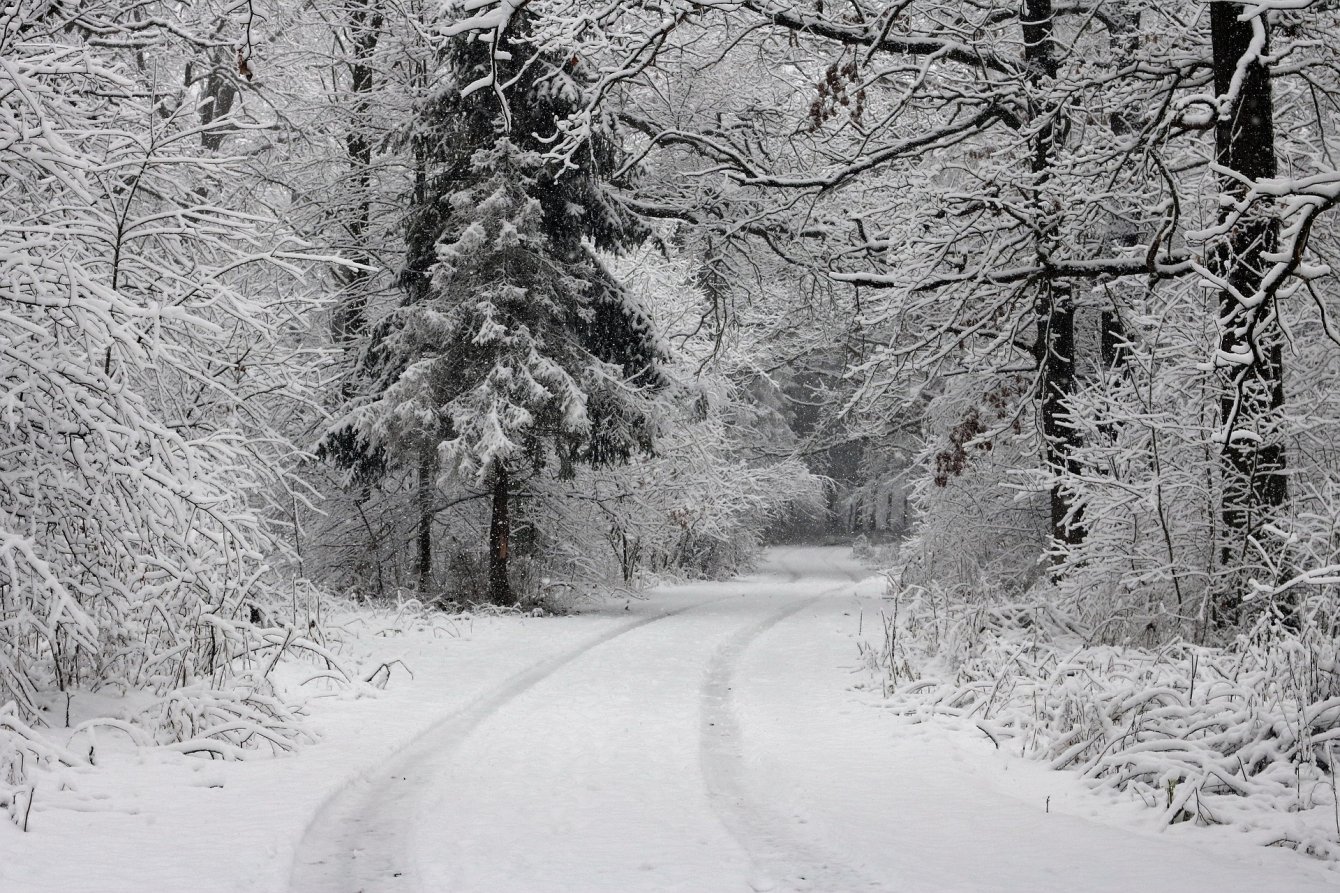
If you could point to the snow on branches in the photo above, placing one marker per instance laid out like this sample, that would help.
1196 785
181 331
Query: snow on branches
1245 736
143 366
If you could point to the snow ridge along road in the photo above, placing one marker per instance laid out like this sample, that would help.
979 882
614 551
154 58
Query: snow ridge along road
716 744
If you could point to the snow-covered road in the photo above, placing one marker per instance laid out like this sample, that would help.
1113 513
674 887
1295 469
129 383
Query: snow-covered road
713 738
709 740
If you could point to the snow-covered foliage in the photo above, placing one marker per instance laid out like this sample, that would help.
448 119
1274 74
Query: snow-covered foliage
981 522
697 507
1151 487
1244 735
489 365
149 348
1019 196
513 348
724 470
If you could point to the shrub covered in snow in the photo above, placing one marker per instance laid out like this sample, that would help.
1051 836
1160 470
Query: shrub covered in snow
1243 735
151 354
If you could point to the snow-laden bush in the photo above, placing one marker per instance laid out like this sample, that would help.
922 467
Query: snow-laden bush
21 749
1244 735
1157 554
1150 485
980 522
147 353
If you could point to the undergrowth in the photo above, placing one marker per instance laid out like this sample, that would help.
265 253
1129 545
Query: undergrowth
265 663
233 686
1245 734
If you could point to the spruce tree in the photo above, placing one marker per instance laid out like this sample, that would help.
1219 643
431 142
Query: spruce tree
513 348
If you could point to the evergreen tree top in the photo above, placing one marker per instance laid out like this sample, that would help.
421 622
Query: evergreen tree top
543 90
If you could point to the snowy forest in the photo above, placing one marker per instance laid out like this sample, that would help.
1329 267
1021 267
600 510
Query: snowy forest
332 330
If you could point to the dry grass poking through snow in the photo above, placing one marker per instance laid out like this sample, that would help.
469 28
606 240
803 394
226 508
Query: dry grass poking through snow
1244 735
267 669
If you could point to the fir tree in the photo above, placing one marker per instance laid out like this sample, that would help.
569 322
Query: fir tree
514 347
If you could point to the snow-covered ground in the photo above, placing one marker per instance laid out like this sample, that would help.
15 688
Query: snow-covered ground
710 738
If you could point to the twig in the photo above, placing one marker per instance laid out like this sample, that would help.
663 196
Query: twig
386 665
28 809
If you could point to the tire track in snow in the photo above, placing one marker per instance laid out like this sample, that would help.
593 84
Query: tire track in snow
355 842
782 862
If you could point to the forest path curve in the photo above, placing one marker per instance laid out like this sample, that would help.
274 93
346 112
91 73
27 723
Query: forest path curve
713 744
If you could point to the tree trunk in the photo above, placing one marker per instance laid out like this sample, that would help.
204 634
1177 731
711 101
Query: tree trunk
1123 45
219 93
1056 360
350 317
427 499
1253 457
500 531
1055 304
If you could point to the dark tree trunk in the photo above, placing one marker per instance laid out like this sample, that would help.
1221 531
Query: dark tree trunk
500 532
1112 340
364 32
1123 44
427 499
1056 360
1040 56
1253 456
1055 305
220 92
